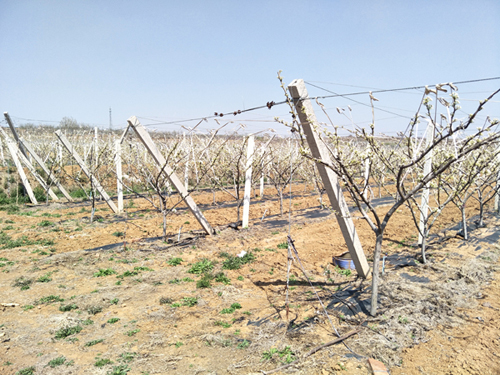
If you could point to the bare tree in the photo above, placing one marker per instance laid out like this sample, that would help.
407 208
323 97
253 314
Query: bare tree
404 161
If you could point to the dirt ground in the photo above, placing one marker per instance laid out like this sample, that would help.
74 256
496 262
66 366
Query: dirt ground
130 306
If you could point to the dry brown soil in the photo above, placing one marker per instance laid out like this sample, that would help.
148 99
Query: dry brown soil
438 318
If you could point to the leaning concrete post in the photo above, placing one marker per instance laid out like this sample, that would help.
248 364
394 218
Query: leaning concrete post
85 170
46 170
14 132
319 151
161 163
13 152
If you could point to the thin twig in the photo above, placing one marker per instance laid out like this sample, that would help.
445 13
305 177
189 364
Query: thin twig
314 350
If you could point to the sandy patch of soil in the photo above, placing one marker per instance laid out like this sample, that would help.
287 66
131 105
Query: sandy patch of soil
139 312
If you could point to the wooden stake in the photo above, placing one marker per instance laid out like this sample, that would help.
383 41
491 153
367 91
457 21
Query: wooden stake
161 163
248 180
85 170
319 151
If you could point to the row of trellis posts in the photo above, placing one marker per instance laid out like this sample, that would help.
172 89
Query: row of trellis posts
19 150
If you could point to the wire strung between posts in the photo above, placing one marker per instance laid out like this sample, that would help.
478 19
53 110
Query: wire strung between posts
271 104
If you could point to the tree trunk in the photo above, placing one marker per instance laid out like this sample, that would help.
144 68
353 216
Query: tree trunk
375 272
163 203
424 243
280 193
464 224
481 208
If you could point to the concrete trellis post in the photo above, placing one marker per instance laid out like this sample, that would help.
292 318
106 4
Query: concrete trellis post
119 181
261 192
35 174
13 152
497 194
96 150
186 169
46 170
319 151
161 163
85 170
248 180
424 204
14 132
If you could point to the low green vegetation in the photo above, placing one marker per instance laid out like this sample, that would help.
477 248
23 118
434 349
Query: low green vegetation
234 262
26 371
94 342
203 266
222 324
57 362
101 362
189 301
45 278
68 331
232 309
94 309
222 278
68 307
23 282
132 332
105 272
175 261
136 271
287 354
49 299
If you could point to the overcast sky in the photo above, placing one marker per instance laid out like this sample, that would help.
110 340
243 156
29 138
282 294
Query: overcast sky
168 61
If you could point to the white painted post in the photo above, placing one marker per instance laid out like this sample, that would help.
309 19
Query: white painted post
119 181
424 203
262 180
33 171
4 163
161 163
59 153
248 180
497 194
319 151
46 170
13 152
14 132
85 170
186 170
96 151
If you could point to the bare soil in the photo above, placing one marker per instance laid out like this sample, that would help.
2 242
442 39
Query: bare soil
150 318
